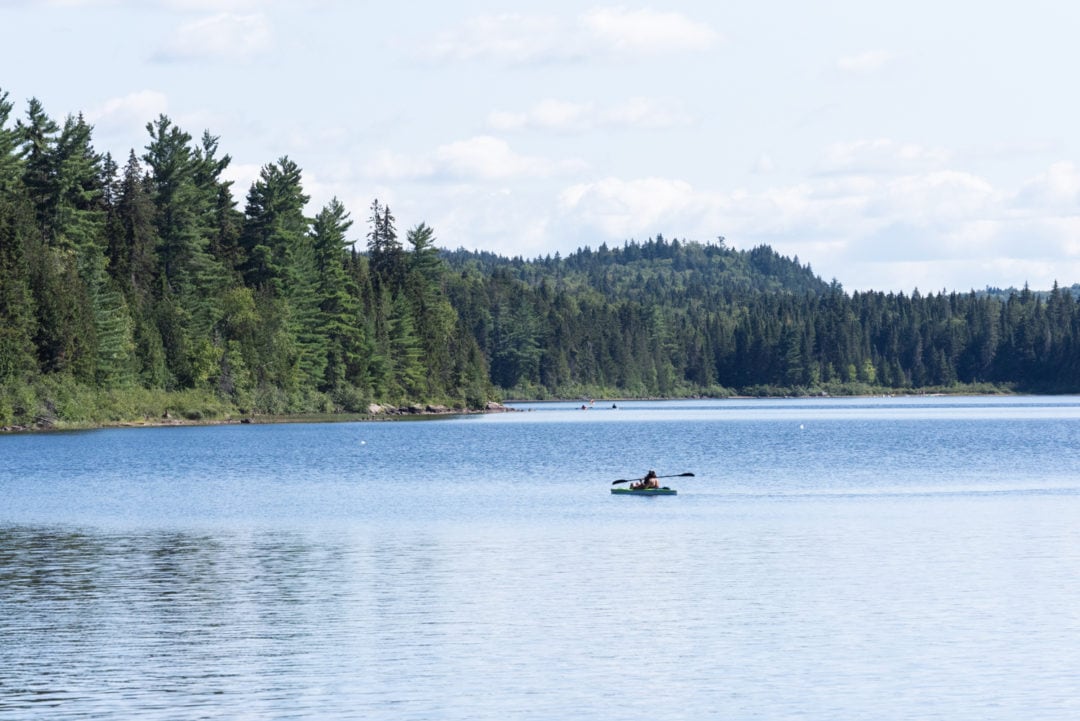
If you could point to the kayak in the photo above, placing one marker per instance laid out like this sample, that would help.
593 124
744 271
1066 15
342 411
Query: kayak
665 491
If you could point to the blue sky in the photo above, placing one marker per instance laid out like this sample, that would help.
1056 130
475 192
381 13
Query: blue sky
892 146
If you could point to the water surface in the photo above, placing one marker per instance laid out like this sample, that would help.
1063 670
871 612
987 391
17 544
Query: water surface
855 558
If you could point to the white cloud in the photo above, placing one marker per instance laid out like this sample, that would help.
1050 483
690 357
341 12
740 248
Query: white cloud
647 31
387 165
1058 187
501 219
936 228
81 3
646 113
881 155
939 228
488 158
132 110
224 35
219 5
565 116
514 38
508 38
937 198
183 5
478 159
242 176
622 209
864 63
547 114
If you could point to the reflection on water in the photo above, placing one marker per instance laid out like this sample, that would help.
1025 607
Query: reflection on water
850 569
812 610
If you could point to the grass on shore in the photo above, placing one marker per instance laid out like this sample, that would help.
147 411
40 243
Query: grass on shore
62 404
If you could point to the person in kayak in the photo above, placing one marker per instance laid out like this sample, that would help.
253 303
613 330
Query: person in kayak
649 481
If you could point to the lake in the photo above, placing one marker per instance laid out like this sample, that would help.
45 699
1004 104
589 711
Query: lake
873 558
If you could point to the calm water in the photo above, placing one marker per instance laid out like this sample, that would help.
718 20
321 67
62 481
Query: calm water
831 559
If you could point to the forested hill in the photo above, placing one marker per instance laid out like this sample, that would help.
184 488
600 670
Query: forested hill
664 318
135 289
639 270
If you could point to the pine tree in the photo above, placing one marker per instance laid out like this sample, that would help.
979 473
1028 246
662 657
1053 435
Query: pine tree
339 304
274 225
191 279
386 254
79 185
436 319
305 315
10 164
17 306
37 137
406 351
133 259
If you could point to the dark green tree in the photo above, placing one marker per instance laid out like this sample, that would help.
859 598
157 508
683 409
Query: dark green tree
274 225
339 319
386 255
37 137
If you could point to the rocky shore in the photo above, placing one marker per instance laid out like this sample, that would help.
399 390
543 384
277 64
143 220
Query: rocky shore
417 409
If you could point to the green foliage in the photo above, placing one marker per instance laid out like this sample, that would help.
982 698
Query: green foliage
140 293
37 137
17 305
9 144
386 254
18 404
274 226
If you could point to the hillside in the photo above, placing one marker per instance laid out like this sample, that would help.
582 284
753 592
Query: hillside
143 289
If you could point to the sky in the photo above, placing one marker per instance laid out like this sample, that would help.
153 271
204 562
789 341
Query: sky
892 146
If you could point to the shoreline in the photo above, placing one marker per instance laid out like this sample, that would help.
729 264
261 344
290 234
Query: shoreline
382 414
936 393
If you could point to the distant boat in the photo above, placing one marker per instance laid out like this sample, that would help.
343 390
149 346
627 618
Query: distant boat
665 491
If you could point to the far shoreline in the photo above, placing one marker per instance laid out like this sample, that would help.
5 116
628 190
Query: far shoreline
384 413
387 413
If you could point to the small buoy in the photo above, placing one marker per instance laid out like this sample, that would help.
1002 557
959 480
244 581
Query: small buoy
801 426
363 443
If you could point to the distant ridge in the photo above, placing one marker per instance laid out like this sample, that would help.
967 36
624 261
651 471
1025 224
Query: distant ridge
656 260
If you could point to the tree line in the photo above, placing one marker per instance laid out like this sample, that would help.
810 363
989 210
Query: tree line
147 275
127 289
665 318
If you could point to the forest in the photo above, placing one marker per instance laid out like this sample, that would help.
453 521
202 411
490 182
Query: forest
143 288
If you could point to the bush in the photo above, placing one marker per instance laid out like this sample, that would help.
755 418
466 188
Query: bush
18 404
349 399
198 405
271 401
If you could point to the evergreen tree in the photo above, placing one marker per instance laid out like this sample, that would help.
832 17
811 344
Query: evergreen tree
133 258
10 164
339 304
406 351
191 279
386 255
37 137
436 319
79 203
17 306
424 256
274 225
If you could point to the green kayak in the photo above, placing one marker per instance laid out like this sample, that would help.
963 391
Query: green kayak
665 491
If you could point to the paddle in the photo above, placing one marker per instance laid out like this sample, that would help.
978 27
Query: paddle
630 480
